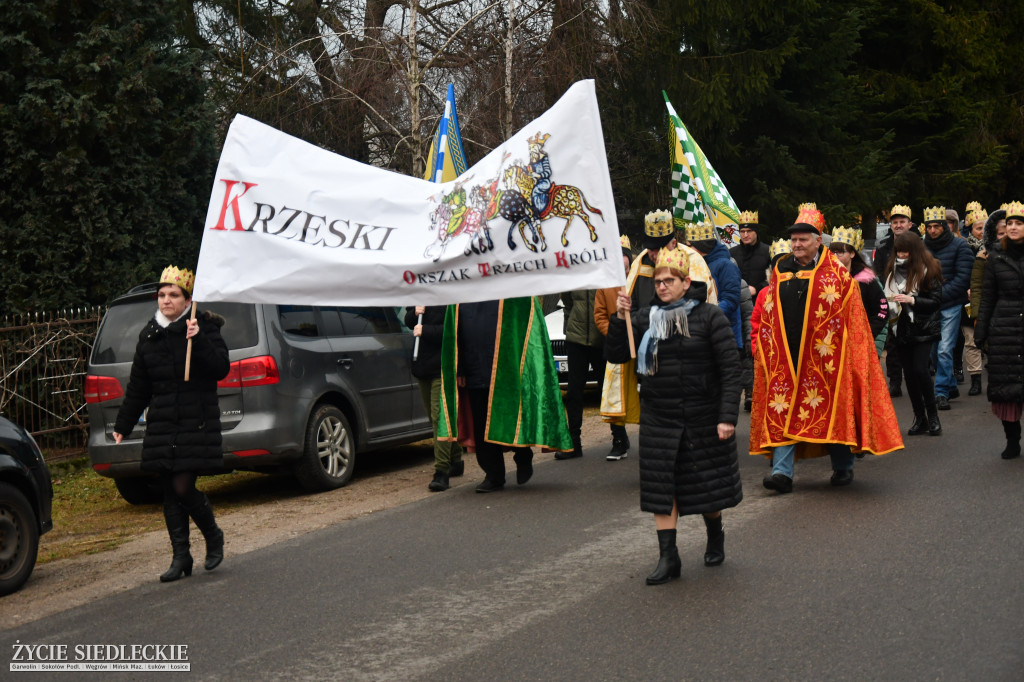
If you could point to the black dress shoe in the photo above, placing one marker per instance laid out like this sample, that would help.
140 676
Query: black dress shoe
780 483
942 402
577 451
489 486
842 477
920 426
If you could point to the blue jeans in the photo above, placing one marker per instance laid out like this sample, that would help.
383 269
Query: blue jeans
942 350
782 458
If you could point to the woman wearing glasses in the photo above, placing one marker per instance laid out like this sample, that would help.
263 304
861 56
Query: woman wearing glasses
688 408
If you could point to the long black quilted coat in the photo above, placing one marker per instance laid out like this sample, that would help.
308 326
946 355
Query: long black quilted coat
183 422
1001 323
697 386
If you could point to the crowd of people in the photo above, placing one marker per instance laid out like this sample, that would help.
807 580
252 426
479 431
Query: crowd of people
798 328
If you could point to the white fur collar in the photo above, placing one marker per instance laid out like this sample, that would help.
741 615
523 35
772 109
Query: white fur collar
163 320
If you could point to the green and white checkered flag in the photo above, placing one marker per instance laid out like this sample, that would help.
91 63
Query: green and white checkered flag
696 187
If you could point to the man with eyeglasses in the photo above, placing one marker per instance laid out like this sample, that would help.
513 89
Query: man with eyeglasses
817 372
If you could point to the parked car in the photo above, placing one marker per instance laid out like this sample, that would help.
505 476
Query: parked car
310 388
26 496
555 322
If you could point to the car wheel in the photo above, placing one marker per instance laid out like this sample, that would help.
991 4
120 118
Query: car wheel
139 490
19 539
330 451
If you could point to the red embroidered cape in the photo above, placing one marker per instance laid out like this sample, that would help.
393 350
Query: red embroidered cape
838 394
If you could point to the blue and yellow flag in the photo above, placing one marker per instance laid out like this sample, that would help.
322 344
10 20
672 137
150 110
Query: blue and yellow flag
446 161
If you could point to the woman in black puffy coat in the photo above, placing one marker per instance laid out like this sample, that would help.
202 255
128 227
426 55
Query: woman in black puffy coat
183 422
1001 325
688 409
913 283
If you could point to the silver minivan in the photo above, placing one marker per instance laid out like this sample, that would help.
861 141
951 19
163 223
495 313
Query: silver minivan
309 388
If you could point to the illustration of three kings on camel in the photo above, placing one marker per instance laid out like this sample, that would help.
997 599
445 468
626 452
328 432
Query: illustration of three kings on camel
527 197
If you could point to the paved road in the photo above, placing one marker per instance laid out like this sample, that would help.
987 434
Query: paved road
913 573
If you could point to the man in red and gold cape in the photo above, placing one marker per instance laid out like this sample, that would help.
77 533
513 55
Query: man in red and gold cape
496 364
818 386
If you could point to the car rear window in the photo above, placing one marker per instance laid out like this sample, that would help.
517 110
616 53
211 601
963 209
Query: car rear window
119 333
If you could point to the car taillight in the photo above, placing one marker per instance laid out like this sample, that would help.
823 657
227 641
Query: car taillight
257 371
100 389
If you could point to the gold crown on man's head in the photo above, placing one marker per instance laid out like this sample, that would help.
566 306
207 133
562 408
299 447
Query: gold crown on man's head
900 209
973 207
779 247
975 215
698 232
658 224
935 214
624 242
1015 209
748 218
1003 207
851 236
807 206
674 258
185 279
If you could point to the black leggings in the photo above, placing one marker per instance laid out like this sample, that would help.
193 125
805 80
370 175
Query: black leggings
914 358
180 487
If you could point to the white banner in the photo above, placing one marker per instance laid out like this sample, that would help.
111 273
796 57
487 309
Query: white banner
291 223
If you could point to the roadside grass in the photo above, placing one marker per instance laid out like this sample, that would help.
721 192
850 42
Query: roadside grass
89 515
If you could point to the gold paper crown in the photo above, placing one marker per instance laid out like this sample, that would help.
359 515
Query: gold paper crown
973 207
976 215
748 217
658 224
850 236
1015 209
674 258
624 242
811 216
900 209
935 214
698 232
185 279
808 206
1003 207
779 247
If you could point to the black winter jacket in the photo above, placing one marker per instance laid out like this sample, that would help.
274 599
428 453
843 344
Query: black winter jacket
183 422
957 262
1001 323
927 324
696 387
753 262
427 364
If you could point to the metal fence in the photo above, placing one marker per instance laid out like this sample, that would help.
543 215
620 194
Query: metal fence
42 365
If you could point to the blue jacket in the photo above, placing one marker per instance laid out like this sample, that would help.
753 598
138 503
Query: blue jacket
957 261
727 279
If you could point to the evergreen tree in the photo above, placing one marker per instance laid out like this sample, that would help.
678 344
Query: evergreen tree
107 147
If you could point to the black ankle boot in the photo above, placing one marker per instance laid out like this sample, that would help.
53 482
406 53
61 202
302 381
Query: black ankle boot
920 425
669 565
714 555
177 529
934 427
202 514
1012 431
975 385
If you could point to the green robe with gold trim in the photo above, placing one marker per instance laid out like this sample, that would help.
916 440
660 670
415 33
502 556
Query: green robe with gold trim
524 407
